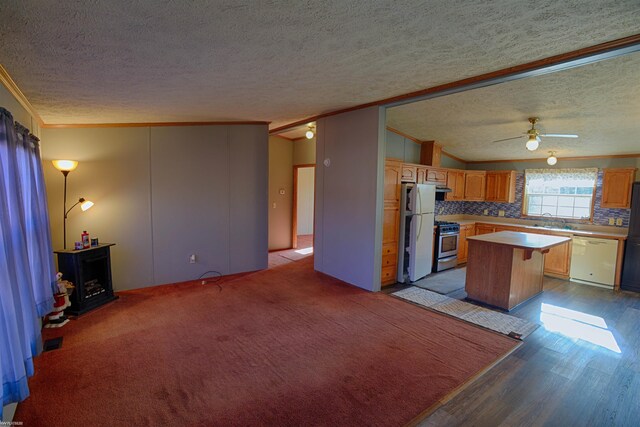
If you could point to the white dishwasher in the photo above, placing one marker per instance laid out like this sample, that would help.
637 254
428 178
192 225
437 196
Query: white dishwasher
593 261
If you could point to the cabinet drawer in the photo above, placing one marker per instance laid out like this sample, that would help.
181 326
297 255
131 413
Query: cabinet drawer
388 275
389 248
389 260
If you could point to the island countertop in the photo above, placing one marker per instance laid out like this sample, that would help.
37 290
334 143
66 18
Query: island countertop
515 239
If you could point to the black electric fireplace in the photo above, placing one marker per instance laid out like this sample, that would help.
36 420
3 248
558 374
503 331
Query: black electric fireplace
90 272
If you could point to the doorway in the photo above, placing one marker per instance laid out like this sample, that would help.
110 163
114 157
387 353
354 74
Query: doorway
303 206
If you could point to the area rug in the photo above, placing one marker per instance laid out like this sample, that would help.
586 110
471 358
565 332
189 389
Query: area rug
499 322
445 282
288 346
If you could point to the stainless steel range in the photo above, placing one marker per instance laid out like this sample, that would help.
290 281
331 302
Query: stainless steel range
446 245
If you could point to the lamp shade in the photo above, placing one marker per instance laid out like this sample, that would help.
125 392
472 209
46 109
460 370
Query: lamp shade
65 165
309 134
552 159
86 205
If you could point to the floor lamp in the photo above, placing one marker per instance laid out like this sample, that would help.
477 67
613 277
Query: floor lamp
66 166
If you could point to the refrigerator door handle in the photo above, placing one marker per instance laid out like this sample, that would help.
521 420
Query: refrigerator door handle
420 205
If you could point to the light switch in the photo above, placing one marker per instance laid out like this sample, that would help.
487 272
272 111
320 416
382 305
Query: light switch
619 221
274 205
612 221
500 213
485 212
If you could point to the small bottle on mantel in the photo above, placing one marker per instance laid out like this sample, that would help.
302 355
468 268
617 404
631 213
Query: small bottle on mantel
86 243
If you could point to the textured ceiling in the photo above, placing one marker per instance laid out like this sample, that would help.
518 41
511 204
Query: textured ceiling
600 102
142 61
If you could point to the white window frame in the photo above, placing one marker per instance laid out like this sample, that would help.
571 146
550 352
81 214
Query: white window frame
568 172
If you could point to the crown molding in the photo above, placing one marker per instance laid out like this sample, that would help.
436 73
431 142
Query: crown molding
13 88
149 124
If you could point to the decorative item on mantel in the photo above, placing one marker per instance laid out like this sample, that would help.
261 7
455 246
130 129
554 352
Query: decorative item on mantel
66 166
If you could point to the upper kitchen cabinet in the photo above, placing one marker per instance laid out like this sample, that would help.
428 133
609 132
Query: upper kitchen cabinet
409 173
431 153
501 186
392 173
437 175
474 185
455 181
616 187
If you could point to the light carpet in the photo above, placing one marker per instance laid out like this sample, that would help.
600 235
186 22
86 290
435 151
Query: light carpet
499 322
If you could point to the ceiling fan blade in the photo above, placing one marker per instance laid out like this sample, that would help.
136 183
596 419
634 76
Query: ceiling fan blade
559 135
508 139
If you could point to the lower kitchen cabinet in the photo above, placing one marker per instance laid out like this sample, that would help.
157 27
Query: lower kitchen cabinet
463 246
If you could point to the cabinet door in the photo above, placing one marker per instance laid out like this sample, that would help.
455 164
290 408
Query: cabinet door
421 176
455 181
616 188
557 260
409 173
392 184
463 247
484 229
437 175
491 187
474 186
390 225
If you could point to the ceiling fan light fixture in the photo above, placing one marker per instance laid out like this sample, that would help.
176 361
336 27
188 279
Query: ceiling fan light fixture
310 134
532 143
552 159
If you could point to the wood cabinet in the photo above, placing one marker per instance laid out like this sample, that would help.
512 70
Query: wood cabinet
484 229
409 173
393 177
455 181
463 246
474 185
501 186
431 153
616 187
437 175
421 176
557 261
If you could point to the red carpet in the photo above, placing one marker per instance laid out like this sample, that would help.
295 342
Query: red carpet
287 346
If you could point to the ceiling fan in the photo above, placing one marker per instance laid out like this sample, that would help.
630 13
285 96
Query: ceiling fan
534 135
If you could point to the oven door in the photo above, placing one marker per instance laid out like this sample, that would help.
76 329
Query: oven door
448 244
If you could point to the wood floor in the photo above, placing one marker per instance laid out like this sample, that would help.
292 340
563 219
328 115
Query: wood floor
559 380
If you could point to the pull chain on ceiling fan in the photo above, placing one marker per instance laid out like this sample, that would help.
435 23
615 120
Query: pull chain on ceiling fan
534 136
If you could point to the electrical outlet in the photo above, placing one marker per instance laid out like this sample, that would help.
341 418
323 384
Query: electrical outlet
274 205
612 221
485 212
619 221
192 259
500 213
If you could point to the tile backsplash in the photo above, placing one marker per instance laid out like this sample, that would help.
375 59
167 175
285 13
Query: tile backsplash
514 210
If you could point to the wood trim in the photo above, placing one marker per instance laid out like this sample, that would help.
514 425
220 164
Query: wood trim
406 135
14 90
294 204
544 159
619 260
150 124
282 136
539 65
461 160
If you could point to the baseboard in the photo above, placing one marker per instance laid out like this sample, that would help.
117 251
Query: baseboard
597 285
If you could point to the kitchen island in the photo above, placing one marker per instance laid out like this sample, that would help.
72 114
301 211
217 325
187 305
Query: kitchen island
505 269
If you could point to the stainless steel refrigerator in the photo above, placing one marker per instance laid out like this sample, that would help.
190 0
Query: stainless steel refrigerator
417 207
631 268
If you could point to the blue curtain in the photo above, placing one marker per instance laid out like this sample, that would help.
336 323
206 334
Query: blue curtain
27 274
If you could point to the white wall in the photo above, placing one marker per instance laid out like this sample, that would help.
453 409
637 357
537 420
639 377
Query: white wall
348 224
305 198
162 193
